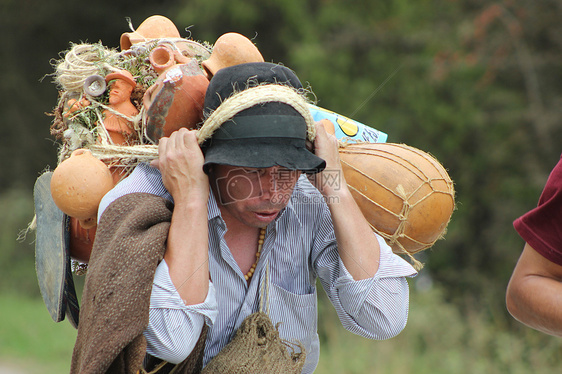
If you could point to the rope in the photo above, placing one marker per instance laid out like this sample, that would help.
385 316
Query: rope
257 95
82 61
134 154
264 291
127 155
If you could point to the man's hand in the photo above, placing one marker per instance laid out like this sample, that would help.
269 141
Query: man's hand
326 147
180 162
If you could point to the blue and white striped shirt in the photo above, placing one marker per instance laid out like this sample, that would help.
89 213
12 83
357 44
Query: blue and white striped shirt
299 248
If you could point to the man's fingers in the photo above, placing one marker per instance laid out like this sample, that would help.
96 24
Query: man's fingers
155 163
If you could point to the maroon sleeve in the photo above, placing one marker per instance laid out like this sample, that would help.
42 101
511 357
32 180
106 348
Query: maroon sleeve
541 227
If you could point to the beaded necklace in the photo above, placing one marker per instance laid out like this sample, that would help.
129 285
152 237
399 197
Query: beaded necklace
250 272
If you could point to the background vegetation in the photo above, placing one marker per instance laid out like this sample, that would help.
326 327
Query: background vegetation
473 82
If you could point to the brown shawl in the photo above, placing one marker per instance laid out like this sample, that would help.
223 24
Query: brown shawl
130 242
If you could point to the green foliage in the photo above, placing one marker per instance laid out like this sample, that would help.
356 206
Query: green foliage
473 82
30 340
438 339
17 257
468 82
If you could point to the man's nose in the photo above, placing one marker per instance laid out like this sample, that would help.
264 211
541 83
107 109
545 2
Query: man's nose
270 180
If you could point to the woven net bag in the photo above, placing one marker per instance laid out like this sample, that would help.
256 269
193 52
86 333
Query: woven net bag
257 348
404 193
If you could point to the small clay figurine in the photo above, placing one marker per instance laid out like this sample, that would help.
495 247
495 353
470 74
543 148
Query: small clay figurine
116 120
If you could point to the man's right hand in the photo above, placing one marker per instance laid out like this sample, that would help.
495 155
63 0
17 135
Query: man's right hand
180 161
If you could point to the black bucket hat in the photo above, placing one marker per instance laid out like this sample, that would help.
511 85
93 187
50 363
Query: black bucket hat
264 135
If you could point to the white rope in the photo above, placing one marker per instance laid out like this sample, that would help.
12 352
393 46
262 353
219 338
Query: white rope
132 154
257 95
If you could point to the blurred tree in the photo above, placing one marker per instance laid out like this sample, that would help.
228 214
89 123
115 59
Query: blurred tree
473 82
34 33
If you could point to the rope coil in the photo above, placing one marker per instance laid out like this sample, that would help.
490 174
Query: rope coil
253 96
126 155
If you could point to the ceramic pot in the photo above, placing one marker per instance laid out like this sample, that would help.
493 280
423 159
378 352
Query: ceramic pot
175 100
78 185
231 49
162 58
154 27
404 193
81 241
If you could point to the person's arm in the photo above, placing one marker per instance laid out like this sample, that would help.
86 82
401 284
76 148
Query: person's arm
357 246
369 292
534 293
174 327
180 161
375 308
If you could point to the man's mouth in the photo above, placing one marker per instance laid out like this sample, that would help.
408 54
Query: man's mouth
266 215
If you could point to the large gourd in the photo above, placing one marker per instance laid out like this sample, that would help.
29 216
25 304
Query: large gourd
404 193
78 184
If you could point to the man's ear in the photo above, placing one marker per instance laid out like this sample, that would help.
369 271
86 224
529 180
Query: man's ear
310 146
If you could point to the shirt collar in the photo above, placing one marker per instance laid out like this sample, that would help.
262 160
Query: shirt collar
213 210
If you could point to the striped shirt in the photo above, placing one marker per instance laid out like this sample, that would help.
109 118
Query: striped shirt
299 249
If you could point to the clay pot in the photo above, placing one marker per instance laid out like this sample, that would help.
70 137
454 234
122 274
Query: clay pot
154 27
81 241
162 58
78 184
231 49
404 193
191 49
175 100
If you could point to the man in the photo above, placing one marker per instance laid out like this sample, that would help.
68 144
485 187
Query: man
535 288
249 229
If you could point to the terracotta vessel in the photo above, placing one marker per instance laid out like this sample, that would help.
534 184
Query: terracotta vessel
175 100
81 241
405 194
191 48
78 185
154 27
231 49
162 58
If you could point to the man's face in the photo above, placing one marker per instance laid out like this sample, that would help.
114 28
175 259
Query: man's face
120 91
252 196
